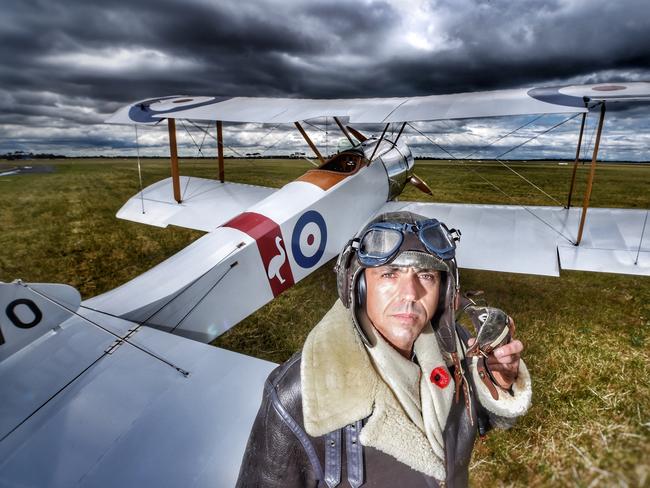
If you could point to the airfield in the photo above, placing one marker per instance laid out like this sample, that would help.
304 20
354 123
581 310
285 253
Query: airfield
586 334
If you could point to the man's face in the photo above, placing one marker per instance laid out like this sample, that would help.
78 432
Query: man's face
400 301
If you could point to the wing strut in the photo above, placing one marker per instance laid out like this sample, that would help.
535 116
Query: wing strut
378 143
311 144
220 150
575 163
592 172
338 122
173 153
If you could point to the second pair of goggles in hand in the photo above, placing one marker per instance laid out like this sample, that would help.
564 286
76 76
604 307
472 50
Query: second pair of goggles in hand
383 241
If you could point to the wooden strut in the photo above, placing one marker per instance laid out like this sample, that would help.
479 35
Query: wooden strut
592 172
577 160
311 144
176 183
220 150
338 122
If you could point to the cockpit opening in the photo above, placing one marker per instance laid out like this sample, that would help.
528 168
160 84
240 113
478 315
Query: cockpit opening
335 169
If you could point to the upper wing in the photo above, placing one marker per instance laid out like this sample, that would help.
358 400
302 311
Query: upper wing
540 240
520 101
81 407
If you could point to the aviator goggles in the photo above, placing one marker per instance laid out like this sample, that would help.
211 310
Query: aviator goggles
382 242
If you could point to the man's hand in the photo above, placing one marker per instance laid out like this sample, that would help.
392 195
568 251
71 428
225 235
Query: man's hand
503 362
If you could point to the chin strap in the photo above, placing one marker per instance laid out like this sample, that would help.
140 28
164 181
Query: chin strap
461 382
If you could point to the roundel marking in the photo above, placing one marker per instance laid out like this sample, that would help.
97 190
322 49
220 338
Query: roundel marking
144 112
11 313
309 239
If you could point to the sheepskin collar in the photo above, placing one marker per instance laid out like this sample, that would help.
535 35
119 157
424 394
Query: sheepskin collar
340 386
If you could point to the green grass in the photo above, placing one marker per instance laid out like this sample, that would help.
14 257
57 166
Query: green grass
587 335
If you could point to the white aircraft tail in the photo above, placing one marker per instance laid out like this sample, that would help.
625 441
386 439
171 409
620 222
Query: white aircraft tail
29 311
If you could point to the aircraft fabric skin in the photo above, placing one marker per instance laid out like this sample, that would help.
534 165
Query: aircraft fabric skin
86 386
521 101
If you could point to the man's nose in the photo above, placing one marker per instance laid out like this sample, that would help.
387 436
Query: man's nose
410 286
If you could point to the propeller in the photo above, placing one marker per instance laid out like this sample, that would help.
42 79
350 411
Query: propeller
357 135
419 183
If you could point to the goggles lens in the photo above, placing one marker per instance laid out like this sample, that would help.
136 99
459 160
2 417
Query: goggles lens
381 243
437 239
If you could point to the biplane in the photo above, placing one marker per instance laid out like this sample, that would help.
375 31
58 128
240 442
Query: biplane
122 389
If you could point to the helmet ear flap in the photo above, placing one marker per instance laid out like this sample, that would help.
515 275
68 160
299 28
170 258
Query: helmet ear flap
343 274
361 289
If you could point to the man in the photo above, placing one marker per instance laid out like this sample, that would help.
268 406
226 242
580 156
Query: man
388 390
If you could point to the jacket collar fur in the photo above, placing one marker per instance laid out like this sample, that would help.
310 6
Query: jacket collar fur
340 386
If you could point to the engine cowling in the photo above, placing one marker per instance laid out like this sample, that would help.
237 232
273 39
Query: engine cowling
397 160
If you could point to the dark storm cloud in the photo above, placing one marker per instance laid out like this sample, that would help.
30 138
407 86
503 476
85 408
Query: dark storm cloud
214 35
66 65
499 44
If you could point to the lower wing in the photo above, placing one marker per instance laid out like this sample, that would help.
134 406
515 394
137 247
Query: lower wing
92 400
541 240
205 205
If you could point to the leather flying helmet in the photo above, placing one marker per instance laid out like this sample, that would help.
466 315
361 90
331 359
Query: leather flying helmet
402 239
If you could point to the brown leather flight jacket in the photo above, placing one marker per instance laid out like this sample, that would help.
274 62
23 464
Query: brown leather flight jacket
281 454
338 397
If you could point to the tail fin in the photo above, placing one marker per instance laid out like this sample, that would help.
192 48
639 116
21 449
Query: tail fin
27 311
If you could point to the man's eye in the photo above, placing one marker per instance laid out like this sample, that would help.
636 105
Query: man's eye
427 276
388 274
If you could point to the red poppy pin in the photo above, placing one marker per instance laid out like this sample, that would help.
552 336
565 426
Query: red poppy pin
439 377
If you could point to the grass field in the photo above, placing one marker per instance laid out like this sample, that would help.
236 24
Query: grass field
587 335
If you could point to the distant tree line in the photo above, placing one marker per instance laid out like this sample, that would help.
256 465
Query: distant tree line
18 155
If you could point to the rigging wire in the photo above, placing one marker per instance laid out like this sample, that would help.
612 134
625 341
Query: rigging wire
499 138
214 137
326 139
119 337
539 134
191 136
463 165
268 133
535 136
201 146
187 181
54 395
313 126
591 136
193 282
638 251
108 351
497 158
137 148
184 289
232 265
242 156
199 153
313 163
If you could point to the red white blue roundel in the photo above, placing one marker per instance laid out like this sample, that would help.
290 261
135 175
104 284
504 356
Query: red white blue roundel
308 239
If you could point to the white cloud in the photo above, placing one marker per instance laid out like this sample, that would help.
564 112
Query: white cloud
116 60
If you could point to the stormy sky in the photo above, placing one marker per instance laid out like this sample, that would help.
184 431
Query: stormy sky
66 66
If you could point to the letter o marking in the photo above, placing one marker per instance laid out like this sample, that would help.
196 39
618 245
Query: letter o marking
11 313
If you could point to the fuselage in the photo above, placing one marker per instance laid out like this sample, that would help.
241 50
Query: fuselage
248 260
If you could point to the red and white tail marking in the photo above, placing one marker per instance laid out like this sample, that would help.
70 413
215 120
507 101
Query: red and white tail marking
270 243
